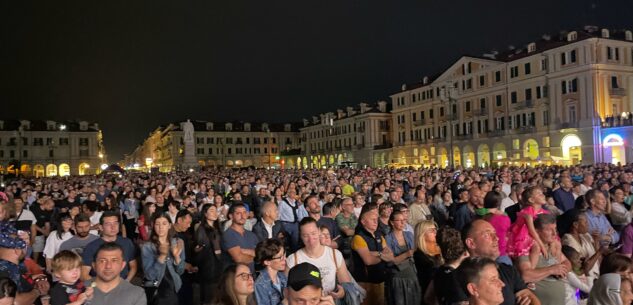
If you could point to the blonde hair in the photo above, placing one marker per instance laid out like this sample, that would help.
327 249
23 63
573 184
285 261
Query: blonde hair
66 260
420 229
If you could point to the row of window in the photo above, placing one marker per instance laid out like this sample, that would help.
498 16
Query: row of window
51 153
40 141
346 129
210 140
335 143
238 151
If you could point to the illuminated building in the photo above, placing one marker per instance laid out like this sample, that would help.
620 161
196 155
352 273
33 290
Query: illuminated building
215 144
356 136
48 148
564 99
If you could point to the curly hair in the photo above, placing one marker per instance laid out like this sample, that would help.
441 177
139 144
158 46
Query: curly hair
451 245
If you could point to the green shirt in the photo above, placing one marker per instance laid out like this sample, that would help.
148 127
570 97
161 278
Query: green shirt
350 222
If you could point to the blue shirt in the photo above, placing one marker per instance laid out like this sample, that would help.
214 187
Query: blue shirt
286 212
564 200
129 253
232 239
599 222
267 293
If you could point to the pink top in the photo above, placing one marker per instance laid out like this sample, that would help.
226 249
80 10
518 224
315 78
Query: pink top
501 223
519 239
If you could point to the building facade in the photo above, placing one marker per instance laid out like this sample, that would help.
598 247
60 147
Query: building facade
189 144
566 99
346 137
49 148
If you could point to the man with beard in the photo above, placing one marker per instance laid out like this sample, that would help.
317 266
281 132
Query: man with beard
237 242
314 211
82 237
109 287
12 253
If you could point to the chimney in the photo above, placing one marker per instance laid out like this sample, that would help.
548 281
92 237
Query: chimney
404 87
382 106
605 33
364 107
305 122
425 80
315 119
209 126
350 111
340 114
531 47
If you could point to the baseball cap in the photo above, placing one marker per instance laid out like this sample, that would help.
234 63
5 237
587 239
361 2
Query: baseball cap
304 274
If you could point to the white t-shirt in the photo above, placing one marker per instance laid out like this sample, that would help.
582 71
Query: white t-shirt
53 243
325 263
505 203
27 215
94 220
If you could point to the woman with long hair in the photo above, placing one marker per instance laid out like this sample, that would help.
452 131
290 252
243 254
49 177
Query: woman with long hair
163 260
403 287
479 278
221 207
330 261
427 255
57 237
143 225
235 287
208 240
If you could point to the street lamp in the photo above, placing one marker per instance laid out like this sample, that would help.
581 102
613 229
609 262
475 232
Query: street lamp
448 93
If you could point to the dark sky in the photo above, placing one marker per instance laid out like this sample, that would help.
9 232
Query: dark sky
133 65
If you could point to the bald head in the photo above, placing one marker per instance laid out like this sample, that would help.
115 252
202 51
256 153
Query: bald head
269 211
480 238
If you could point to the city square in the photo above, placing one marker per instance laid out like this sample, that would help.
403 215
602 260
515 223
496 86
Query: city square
317 153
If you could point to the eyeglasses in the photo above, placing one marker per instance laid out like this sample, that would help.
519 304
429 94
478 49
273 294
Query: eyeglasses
245 276
282 257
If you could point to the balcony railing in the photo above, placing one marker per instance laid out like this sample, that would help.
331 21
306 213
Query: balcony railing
383 146
617 91
419 123
618 121
526 129
497 133
482 112
436 140
464 136
525 104
566 125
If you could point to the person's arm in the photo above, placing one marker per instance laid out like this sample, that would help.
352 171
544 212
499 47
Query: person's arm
531 274
27 298
85 273
153 263
529 222
33 233
429 296
133 269
239 256
526 297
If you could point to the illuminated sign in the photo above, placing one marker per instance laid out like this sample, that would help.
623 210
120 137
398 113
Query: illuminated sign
613 140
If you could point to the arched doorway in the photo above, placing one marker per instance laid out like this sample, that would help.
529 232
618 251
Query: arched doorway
84 167
331 159
483 155
305 162
469 156
25 169
64 170
457 156
571 147
499 152
248 162
38 170
51 170
238 163
442 158
424 158
402 157
614 151
530 149
229 163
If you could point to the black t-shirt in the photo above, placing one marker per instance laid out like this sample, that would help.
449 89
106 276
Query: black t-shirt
447 289
188 242
41 216
62 294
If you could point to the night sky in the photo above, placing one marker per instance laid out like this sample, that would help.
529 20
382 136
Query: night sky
133 65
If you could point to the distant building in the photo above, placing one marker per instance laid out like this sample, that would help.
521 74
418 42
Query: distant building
214 144
49 148
351 136
566 98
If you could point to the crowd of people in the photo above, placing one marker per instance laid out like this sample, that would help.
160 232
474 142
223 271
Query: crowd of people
509 235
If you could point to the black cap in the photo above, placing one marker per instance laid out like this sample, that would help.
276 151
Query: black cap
302 275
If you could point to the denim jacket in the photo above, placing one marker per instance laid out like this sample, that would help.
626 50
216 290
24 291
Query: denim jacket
392 242
265 292
155 270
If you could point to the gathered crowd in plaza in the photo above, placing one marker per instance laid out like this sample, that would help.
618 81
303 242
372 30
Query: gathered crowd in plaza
509 235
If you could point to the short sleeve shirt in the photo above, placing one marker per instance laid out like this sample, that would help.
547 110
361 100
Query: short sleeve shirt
232 239
129 253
